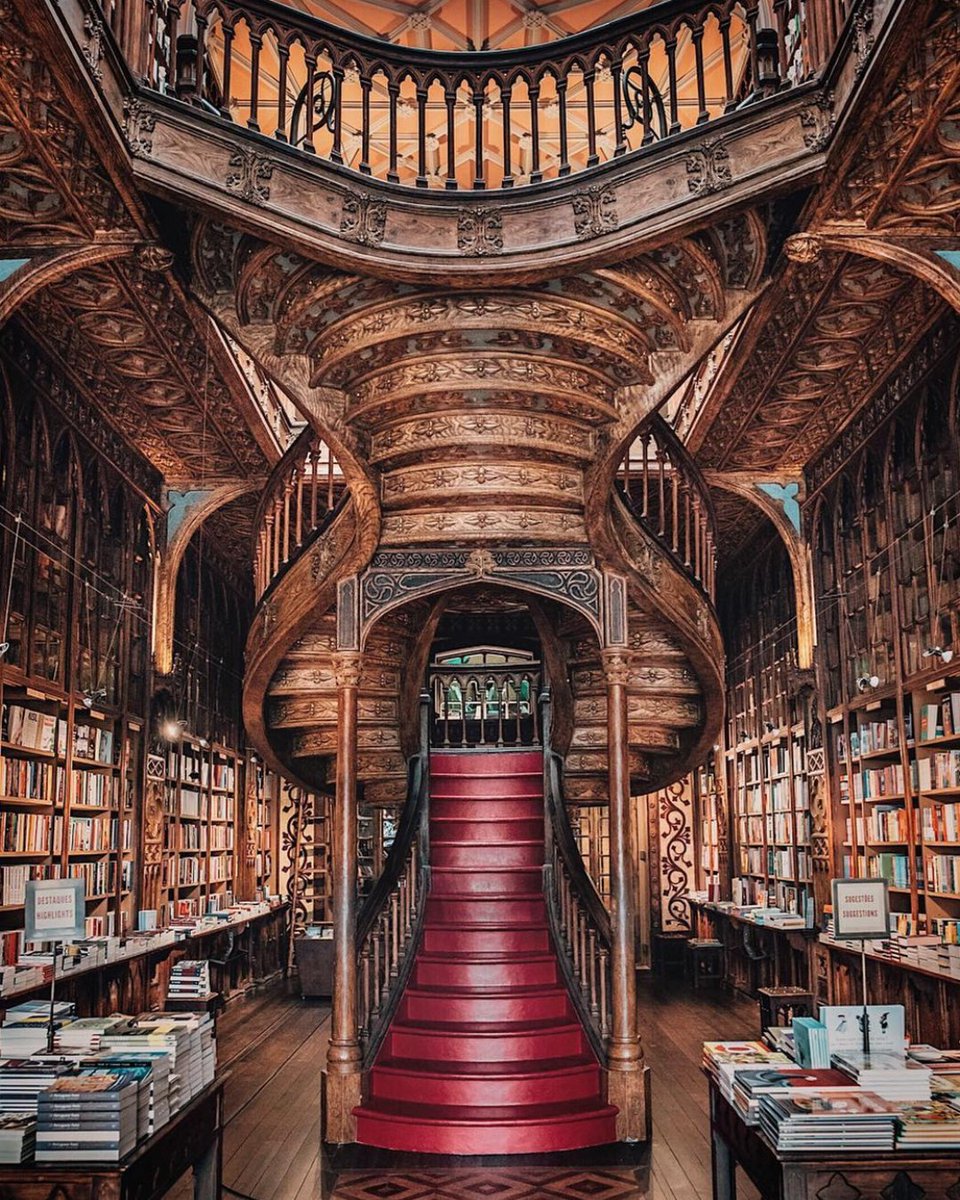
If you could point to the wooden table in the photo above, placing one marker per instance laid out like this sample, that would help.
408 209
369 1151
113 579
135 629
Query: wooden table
902 1175
193 1139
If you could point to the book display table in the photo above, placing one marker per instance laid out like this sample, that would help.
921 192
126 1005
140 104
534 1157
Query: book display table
839 1175
191 1140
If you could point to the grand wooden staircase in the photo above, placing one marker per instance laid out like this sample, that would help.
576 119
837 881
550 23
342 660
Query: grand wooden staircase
486 1054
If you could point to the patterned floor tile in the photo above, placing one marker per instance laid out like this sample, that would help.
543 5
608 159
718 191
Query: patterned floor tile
494 1183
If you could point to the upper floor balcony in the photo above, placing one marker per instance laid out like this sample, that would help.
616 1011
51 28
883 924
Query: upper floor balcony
474 120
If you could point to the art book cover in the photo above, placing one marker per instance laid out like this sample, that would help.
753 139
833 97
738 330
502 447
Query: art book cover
792 1079
844 1024
850 1104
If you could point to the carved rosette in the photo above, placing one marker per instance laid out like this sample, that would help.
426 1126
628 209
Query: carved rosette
347 667
616 668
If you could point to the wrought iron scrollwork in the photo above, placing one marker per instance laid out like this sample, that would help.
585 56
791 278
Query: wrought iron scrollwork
644 105
323 109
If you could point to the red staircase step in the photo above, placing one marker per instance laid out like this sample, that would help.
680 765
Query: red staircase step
487 762
486 1084
456 971
486 787
489 808
471 911
448 1129
486 1041
491 829
469 855
449 1006
508 881
439 938
485 1054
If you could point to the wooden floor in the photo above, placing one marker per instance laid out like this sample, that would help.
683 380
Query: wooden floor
274 1046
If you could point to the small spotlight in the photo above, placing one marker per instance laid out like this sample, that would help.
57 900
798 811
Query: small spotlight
173 730
203 743
945 656
769 726
866 682
4 647
91 699
741 735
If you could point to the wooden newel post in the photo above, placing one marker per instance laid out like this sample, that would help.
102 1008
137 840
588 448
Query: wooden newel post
626 1073
343 1075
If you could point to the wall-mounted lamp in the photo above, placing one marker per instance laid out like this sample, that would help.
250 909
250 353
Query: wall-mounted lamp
945 656
172 730
866 682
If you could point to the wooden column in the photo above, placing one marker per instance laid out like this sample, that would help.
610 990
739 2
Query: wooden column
343 1076
626 1073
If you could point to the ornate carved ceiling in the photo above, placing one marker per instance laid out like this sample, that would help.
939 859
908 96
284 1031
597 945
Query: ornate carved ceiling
836 323
481 409
123 330
469 24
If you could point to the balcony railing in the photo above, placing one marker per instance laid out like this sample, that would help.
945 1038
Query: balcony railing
301 495
667 495
485 706
472 120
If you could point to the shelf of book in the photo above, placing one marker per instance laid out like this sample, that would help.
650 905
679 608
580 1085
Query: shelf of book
63 811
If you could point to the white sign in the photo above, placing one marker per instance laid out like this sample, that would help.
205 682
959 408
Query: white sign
55 910
861 909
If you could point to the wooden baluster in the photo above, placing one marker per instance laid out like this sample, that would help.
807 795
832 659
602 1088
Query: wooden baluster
330 465
173 30
366 84
283 54
506 92
672 98
582 937
450 99
421 137
592 951
395 927
697 35
298 528
697 539
781 16
675 502
518 692
256 41
227 65
534 712
644 61
287 493
564 168
365 991
377 952
616 70
536 175
730 100
686 527
483 714
662 481
604 993
589 80
479 180
751 16
393 95
308 143
201 53
501 700
646 476
336 150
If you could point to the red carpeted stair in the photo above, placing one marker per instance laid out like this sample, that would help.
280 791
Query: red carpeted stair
486 1054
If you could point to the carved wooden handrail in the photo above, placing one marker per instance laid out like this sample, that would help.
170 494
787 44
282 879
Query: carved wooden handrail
301 496
580 923
389 923
485 705
480 119
666 493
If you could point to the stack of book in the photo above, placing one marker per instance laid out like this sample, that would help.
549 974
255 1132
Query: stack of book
27 1035
84 1036
852 1120
155 1089
88 1117
886 1073
749 1085
931 1126
22 1081
190 980
17 1138
723 1059
810 1039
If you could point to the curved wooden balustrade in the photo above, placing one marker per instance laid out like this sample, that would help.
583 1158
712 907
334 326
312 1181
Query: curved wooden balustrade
304 491
666 493
485 706
581 924
471 120
388 925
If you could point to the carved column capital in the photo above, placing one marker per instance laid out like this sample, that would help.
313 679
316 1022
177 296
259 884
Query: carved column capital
347 666
616 667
